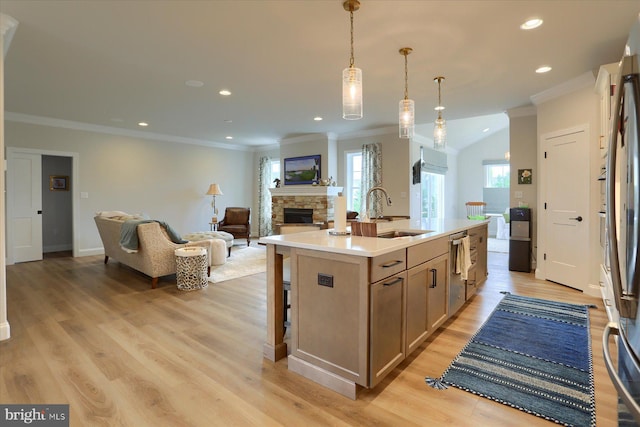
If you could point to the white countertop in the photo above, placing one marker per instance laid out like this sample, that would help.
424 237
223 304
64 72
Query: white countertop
321 240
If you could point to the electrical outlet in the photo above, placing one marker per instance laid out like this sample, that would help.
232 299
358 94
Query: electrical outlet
325 280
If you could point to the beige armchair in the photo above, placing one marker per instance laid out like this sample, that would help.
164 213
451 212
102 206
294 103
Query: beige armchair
236 222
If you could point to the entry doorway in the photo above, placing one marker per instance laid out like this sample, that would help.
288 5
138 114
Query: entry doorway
41 192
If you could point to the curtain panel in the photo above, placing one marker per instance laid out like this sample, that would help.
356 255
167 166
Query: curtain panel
371 177
264 197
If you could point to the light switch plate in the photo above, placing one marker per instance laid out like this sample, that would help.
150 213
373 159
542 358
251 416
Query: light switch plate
518 194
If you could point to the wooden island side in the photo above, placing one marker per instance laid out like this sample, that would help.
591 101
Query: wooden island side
361 305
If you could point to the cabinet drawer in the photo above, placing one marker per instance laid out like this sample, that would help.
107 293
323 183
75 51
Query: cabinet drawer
387 265
423 252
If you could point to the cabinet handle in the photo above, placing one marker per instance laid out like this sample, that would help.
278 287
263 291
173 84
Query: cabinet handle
434 279
397 279
391 263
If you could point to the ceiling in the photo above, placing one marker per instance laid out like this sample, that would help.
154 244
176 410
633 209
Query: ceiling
115 63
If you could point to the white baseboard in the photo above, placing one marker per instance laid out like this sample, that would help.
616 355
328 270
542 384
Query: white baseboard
5 331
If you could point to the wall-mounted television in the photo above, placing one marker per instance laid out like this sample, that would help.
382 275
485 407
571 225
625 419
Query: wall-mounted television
302 170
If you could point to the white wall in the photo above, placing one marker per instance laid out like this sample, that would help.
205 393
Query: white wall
165 180
578 108
471 170
523 136
396 167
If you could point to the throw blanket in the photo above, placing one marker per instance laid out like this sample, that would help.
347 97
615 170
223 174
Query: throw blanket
129 234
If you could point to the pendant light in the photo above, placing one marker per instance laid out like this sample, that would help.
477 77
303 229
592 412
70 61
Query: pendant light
351 76
406 111
440 126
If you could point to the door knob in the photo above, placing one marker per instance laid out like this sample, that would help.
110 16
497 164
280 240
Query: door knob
578 218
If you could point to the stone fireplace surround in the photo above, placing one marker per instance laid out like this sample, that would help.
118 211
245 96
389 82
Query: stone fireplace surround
316 197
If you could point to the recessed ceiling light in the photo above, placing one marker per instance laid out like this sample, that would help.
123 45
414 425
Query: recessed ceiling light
228 137
531 24
194 83
143 124
485 130
317 119
543 69
225 92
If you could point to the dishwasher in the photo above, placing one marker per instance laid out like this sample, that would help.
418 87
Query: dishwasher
456 284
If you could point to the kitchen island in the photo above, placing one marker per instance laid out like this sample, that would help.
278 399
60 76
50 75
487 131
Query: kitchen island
361 305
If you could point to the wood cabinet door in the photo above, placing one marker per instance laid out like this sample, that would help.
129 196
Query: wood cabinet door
417 325
438 291
387 327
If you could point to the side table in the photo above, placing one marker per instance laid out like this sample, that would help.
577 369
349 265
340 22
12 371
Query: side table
191 268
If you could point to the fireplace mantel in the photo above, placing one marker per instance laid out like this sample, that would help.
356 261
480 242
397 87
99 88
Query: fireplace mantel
305 190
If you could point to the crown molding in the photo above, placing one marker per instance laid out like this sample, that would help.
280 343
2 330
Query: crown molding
580 82
527 110
68 124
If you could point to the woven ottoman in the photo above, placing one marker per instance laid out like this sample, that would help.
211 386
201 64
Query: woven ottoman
206 235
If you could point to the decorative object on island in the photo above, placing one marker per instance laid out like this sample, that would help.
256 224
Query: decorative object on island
407 106
214 190
351 76
302 170
440 126
340 215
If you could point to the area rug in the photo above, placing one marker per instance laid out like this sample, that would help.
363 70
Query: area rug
533 355
243 261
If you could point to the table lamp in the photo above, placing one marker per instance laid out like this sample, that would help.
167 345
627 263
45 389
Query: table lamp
214 190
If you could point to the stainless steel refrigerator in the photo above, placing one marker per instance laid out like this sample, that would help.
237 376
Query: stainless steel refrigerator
623 214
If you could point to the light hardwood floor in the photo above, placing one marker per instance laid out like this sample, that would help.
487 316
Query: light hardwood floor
120 353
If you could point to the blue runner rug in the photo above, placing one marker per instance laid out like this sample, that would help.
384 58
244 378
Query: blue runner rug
533 355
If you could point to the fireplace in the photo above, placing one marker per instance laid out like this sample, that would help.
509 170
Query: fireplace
298 216
313 203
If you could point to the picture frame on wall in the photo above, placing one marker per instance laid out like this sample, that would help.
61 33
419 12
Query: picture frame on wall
525 176
302 170
58 183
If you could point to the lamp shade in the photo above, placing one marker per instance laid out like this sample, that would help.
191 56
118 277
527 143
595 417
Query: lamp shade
352 93
214 190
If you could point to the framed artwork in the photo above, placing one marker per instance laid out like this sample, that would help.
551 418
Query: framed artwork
302 170
524 176
58 183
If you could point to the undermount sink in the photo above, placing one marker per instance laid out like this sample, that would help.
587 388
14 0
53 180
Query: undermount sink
392 234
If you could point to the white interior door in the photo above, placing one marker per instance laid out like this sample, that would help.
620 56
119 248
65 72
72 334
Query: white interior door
24 195
567 200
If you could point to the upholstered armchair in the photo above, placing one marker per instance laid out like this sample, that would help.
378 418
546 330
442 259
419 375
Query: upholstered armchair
236 222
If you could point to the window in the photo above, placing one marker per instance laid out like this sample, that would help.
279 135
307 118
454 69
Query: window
432 187
496 175
275 170
354 177
496 185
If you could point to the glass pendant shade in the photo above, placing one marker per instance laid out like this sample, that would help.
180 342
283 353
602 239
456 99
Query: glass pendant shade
352 93
440 134
406 118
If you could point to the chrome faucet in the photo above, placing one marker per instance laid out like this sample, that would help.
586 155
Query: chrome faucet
365 218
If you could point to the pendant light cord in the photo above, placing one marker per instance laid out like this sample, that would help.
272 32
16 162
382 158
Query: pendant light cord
406 77
351 61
